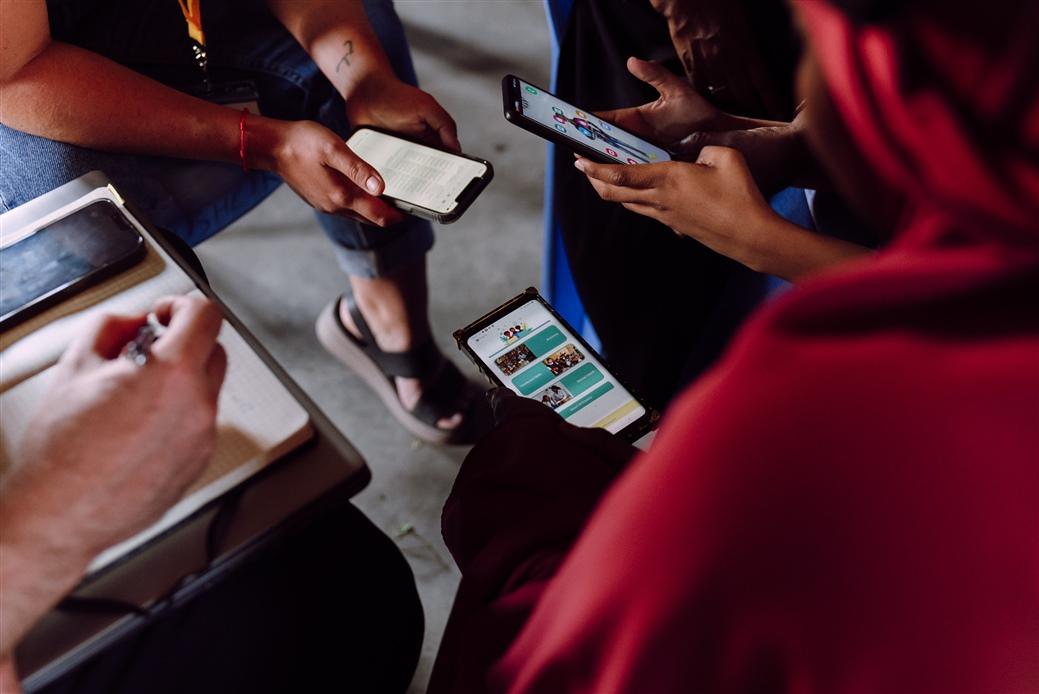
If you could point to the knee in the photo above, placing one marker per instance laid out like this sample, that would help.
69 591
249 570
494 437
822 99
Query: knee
34 165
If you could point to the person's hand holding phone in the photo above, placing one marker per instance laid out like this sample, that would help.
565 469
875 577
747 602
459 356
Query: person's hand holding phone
385 102
714 200
678 112
717 202
686 122
317 164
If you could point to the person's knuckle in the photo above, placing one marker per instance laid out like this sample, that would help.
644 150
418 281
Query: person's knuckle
339 199
700 138
617 177
330 149
355 169
725 156
105 319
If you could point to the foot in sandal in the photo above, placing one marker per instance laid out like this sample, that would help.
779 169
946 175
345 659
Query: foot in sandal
382 334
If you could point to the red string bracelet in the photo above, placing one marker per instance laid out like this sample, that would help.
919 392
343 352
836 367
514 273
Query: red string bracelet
241 139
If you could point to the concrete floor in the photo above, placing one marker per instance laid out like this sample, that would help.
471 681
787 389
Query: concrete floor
274 267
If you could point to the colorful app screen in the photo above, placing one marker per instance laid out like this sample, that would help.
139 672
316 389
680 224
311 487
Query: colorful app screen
616 144
415 173
537 357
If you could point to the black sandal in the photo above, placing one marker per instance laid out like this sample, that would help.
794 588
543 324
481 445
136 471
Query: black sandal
445 390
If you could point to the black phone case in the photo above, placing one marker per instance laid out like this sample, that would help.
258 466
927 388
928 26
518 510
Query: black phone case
519 120
465 198
631 433
59 294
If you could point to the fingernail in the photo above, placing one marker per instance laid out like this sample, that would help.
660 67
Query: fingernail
579 165
372 184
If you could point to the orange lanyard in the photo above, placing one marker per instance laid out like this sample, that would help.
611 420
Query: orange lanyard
192 10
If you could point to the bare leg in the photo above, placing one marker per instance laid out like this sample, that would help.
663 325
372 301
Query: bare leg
396 308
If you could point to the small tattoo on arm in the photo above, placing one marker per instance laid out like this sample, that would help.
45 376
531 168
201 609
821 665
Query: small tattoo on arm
349 45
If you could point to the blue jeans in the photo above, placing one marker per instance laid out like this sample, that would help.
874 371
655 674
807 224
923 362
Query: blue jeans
196 199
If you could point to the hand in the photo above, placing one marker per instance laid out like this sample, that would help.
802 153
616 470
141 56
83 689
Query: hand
317 164
509 408
714 200
679 111
386 102
113 444
715 41
506 405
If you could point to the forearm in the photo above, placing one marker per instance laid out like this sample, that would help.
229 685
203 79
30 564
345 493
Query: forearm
9 683
787 251
777 153
37 567
72 95
338 37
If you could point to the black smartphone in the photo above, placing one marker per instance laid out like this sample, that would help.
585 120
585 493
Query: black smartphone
537 111
421 180
63 258
524 345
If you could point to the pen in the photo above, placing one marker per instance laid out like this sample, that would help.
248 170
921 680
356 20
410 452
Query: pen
138 350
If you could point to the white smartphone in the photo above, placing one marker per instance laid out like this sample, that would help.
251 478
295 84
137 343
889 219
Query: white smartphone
421 180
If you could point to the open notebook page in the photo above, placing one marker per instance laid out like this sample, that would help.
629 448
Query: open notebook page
258 421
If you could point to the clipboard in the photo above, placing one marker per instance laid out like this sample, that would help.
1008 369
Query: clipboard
121 595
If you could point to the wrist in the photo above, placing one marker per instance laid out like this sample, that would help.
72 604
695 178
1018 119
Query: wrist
41 564
766 239
265 140
39 537
367 77
363 91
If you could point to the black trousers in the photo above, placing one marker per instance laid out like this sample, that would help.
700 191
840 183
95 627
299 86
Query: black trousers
655 299
331 607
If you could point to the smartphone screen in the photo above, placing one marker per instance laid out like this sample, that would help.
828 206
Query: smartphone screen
64 253
535 355
615 143
414 173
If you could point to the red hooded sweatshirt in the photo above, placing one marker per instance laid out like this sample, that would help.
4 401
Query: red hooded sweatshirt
849 501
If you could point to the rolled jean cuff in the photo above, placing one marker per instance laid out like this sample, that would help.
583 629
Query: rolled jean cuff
400 250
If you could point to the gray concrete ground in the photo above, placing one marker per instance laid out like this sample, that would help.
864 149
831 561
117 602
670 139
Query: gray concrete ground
274 267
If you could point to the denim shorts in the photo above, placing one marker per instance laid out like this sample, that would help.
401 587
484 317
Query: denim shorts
195 199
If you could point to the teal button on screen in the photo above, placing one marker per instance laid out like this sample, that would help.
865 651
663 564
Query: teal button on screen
583 378
586 400
545 341
532 379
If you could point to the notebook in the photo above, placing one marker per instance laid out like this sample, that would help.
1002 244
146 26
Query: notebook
258 419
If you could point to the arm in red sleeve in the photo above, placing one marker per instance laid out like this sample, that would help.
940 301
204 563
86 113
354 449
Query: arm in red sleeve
521 498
